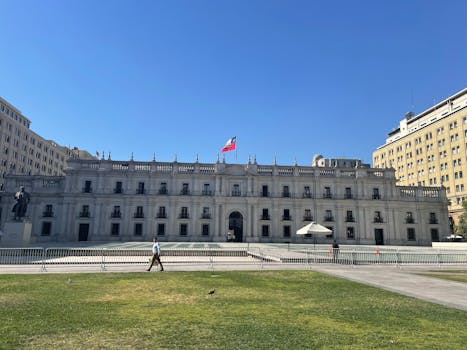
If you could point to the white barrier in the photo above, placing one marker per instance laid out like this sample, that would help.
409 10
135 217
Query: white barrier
214 257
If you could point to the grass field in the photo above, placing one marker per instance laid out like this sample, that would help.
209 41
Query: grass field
249 310
452 275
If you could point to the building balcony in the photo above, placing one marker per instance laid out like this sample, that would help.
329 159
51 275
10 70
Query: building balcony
47 214
265 194
286 218
328 218
376 196
162 191
433 221
285 194
306 195
87 190
118 190
116 215
161 216
265 217
183 216
206 193
138 215
205 216
378 220
185 192
348 196
409 221
308 218
236 193
327 195
84 214
349 219
140 191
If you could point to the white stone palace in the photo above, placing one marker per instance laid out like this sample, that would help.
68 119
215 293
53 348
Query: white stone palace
106 200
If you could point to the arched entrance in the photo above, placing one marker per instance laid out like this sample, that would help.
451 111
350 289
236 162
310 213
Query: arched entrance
236 225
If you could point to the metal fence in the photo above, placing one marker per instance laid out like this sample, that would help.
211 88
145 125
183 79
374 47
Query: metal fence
253 257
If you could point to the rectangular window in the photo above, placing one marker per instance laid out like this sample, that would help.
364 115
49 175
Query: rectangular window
349 216
118 187
48 212
265 214
46 228
185 189
348 193
205 229
206 214
184 213
350 232
140 189
161 213
433 219
87 186
236 191
409 218
306 192
286 231
207 190
115 229
307 216
138 229
378 217
84 211
116 212
265 192
376 193
183 229
285 191
327 192
286 215
163 188
139 212
410 234
328 215
160 229
265 230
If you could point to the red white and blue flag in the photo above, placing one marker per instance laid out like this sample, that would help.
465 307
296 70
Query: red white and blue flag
230 145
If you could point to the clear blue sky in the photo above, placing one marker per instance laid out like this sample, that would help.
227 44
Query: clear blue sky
289 78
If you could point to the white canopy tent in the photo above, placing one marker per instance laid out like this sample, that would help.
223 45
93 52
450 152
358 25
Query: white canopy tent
314 229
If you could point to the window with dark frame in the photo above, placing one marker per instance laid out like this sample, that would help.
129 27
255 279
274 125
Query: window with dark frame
138 229
161 213
160 229
265 230
118 187
205 229
115 229
410 234
350 232
286 231
46 228
183 229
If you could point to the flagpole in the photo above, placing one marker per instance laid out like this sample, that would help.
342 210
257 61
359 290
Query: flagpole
236 138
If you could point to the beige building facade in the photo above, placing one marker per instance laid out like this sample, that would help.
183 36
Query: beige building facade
24 152
429 149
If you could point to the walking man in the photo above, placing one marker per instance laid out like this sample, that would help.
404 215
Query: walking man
156 253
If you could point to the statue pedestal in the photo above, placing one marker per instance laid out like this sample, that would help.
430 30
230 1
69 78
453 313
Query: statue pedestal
16 234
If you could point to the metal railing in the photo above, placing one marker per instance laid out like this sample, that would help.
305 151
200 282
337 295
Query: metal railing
210 257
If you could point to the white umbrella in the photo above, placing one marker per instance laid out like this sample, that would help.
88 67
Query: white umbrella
314 229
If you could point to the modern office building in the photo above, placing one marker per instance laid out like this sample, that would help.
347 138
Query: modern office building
106 200
24 152
429 149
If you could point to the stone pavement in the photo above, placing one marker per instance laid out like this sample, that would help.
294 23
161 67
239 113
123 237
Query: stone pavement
404 280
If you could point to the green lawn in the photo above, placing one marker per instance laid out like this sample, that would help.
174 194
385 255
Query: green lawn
452 275
249 310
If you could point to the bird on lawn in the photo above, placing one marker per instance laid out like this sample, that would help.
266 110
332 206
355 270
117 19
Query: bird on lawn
212 291
70 281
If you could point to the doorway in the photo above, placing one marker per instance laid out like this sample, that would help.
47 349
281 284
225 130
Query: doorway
434 235
83 232
379 236
236 225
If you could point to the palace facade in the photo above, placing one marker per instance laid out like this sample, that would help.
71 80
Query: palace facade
106 200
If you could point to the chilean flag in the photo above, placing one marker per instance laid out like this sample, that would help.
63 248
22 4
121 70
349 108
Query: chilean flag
230 145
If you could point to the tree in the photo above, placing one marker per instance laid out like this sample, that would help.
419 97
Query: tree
461 228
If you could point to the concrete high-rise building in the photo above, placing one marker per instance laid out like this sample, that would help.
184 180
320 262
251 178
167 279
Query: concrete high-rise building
429 149
23 152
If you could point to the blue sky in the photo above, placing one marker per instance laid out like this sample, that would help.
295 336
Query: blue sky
289 78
